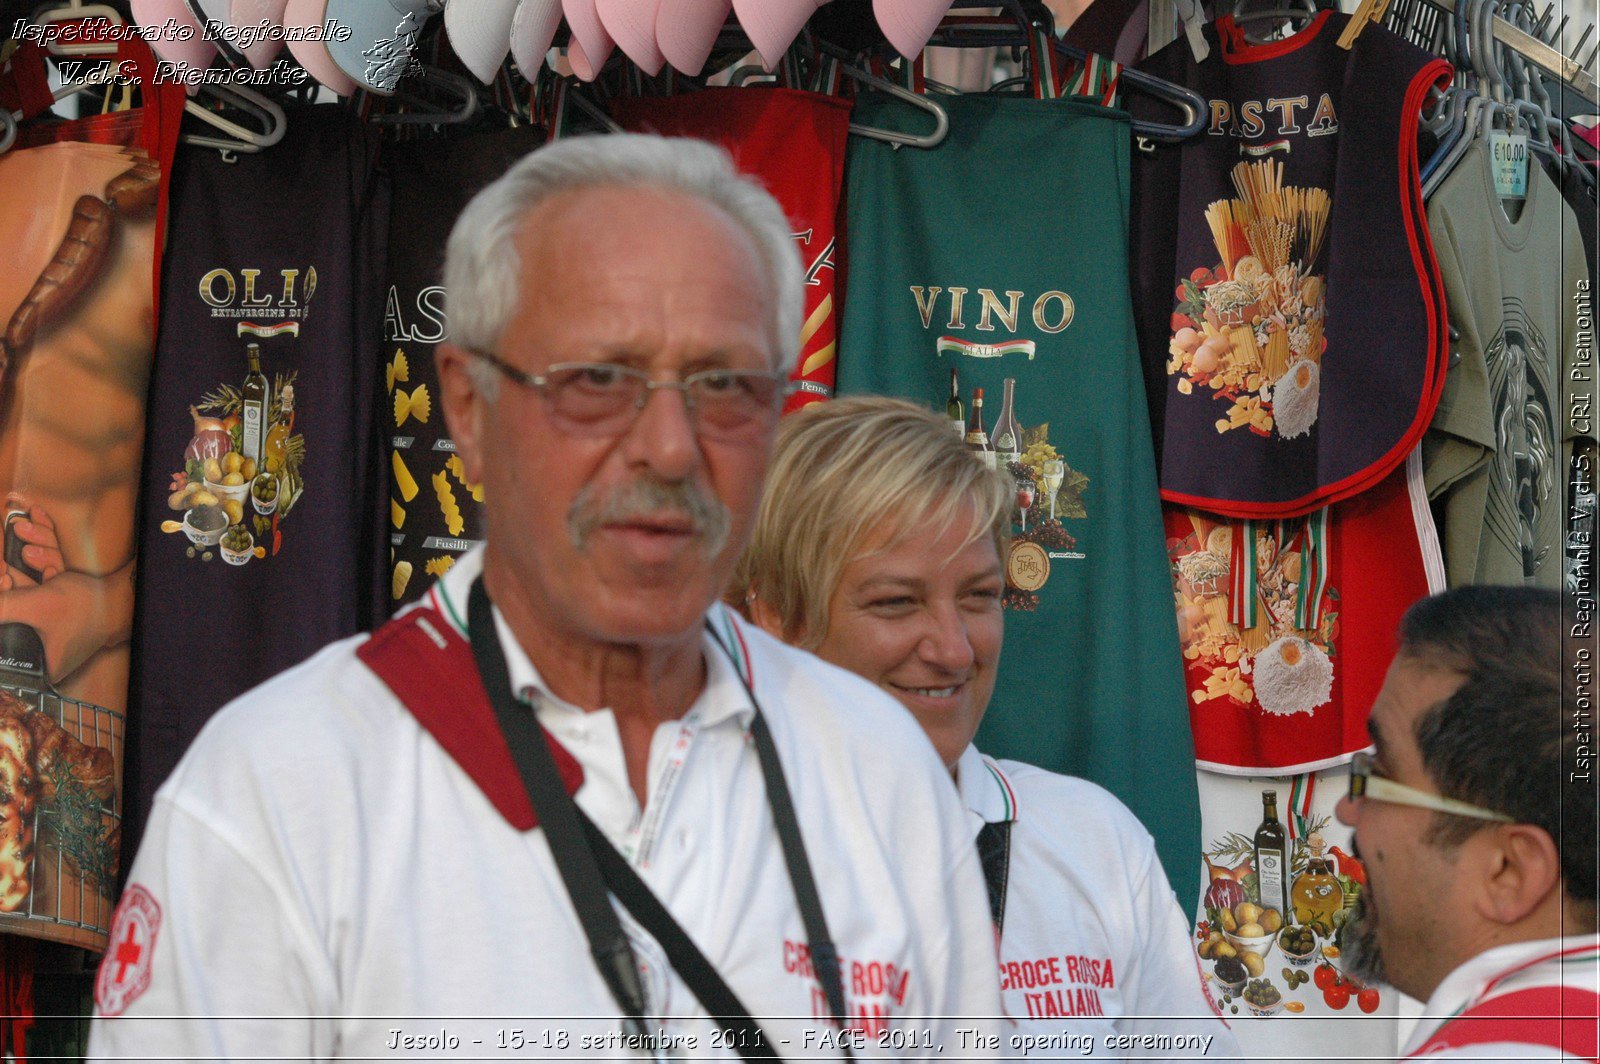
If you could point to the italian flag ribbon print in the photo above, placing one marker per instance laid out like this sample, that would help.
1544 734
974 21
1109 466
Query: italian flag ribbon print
1301 793
1244 600
1243 597
954 345
1313 572
282 328
1268 148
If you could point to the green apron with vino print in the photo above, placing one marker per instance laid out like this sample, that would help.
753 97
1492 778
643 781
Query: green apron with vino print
1002 253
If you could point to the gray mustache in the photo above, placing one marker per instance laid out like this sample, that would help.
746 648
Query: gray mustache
650 497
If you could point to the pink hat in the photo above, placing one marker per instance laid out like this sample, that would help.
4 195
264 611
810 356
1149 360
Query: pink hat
237 15
194 53
253 13
480 34
207 12
313 55
591 45
533 27
632 24
686 31
909 23
772 25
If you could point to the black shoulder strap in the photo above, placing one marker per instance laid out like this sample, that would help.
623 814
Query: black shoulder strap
588 863
685 957
824 955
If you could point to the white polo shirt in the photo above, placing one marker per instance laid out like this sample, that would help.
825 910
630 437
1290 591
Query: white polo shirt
320 861
1095 957
1571 962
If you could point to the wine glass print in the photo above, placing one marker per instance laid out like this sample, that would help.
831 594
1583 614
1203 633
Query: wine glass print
1055 471
1025 491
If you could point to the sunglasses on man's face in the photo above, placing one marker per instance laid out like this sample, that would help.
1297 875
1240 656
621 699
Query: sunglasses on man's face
1364 784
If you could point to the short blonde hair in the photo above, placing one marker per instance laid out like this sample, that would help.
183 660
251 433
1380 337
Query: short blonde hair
840 471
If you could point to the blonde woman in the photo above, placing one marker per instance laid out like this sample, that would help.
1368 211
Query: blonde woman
878 547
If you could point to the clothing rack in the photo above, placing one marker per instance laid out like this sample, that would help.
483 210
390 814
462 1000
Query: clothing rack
1546 57
1163 30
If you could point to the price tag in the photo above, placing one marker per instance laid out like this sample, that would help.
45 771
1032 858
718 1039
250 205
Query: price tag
1508 160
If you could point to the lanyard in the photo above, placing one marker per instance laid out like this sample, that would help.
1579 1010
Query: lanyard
644 841
581 851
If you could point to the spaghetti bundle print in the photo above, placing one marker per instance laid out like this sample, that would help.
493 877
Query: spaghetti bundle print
1255 319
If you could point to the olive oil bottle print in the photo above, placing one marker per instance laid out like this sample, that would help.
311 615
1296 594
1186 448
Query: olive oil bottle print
241 472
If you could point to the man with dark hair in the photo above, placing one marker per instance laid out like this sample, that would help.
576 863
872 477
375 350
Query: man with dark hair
1476 818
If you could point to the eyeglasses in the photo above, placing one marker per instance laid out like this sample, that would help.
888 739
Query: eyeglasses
604 398
1363 784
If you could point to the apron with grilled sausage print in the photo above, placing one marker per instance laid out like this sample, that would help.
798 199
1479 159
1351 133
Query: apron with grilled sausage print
82 216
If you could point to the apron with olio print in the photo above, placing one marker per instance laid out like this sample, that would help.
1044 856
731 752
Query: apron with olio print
1001 254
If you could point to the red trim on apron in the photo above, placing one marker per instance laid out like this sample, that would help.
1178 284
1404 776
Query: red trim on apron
1237 49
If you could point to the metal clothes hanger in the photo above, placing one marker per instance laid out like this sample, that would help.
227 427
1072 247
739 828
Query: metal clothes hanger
272 122
1290 19
1475 123
1460 117
941 120
1530 100
732 40
457 103
1449 127
578 97
1025 15
1191 103
1509 64
1444 119
8 131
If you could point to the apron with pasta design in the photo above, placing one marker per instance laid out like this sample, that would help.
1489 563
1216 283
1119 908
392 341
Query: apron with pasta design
1290 318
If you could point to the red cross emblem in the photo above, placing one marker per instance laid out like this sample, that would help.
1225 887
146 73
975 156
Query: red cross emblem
128 952
125 971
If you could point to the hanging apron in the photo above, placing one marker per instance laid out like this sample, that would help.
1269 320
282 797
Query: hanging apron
1001 253
1288 625
1289 306
794 142
261 535
83 212
433 513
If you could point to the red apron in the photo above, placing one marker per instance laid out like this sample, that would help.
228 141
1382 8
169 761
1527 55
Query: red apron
794 142
1286 645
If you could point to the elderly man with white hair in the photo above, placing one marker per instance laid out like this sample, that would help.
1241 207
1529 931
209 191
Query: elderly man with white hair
567 806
